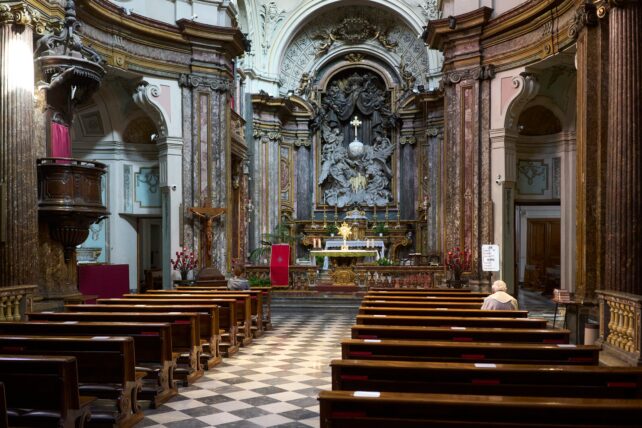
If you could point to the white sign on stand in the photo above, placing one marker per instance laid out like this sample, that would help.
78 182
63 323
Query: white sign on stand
490 258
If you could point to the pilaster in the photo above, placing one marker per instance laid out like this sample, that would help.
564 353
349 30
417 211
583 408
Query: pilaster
206 159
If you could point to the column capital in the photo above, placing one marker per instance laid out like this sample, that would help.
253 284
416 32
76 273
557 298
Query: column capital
585 16
215 83
22 14
604 6
483 72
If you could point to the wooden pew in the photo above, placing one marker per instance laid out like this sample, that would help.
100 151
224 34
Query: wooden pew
243 307
234 315
185 333
152 347
393 409
106 369
423 304
267 299
209 334
482 352
460 334
426 293
4 423
431 298
419 290
489 321
211 283
440 311
42 391
498 379
256 300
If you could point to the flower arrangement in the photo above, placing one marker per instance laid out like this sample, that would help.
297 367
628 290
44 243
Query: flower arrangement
185 262
458 261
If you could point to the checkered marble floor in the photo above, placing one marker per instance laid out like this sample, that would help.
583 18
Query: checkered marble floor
273 382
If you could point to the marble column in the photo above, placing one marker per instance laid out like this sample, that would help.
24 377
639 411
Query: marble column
206 160
623 267
18 187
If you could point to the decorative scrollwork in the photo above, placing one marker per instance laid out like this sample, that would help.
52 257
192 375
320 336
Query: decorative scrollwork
265 136
215 83
354 30
483 72
585 16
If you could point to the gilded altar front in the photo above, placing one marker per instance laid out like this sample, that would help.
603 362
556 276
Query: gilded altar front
343 262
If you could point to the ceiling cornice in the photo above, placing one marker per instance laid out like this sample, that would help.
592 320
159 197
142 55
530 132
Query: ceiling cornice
439 31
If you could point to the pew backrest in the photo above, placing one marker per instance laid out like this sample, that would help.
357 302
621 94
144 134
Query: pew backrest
360 409
481 352
487 379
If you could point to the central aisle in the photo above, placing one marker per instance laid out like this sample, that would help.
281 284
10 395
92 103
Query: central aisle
272 382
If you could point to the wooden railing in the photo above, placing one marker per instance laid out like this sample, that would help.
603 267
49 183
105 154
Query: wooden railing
16 301
620 325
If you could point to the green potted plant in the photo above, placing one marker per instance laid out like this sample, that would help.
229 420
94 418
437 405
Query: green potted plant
331 229
380 228
384 262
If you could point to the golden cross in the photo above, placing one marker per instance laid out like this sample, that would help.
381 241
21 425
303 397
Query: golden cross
356 123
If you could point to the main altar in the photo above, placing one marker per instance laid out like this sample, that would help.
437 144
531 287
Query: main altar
345 258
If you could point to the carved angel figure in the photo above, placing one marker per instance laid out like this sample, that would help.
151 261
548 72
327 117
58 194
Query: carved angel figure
327 39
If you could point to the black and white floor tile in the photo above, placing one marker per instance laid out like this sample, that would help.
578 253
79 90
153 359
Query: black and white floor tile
273 382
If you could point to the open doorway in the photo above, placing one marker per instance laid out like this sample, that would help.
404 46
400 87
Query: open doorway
150 272
538 247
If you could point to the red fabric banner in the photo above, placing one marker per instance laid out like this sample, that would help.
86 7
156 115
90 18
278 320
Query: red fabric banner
280 265
60 141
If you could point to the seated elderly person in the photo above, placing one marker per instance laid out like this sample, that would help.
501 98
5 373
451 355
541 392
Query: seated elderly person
500 299
237 282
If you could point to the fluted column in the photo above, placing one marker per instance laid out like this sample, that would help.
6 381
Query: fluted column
623 268
18 187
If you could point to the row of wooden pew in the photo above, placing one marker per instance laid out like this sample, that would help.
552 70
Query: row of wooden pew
433 358
103 360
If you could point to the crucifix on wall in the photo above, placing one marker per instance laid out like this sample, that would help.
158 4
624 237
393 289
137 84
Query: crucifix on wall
207 216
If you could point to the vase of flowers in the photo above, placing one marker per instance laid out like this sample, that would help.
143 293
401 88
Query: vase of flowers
458 261
184 263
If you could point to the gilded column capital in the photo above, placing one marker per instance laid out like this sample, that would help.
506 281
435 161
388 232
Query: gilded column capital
22 14
215 83
585 16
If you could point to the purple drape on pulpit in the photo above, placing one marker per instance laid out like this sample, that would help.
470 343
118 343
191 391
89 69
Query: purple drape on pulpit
60 141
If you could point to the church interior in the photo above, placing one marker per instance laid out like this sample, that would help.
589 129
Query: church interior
294 213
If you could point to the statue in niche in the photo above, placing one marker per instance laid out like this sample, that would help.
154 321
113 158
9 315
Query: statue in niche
363 177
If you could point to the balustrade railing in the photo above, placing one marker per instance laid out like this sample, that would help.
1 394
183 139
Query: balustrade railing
16 301
306 277
620 315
